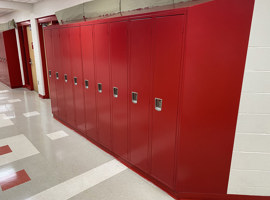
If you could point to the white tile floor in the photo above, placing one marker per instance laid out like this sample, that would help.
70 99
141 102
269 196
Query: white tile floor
31 114
57 135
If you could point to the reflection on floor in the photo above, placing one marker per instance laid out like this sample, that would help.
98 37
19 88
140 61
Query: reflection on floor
42 159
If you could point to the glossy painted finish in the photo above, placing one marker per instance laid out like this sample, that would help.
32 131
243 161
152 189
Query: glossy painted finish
140 75
102 69
119 66
51 69
167 56
178 147
77 72
212 81
10 72
14 179
4 150
89 75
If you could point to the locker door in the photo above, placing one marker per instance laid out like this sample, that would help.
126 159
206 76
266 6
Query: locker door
89 78
140 74
77 76
167 47
51 69
58 73
119 64
101 52
67 77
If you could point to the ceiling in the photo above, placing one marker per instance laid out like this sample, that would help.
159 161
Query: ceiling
4 11
24 1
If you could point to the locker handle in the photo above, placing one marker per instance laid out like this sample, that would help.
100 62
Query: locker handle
75 81
134 97
57 76
86 84
158 104
115 92
99 87
50 73
65 76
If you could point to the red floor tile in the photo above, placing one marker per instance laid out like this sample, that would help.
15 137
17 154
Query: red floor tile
14 179
4 150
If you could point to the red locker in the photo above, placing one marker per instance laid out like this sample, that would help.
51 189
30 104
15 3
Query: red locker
66 74
77 75
59 79
140 75
119 97
167 55
10 72
101 53
51 69
89 81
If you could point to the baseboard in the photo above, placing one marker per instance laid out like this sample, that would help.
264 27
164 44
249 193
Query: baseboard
43 96
177 196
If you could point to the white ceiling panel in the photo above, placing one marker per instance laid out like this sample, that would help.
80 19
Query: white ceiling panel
5 11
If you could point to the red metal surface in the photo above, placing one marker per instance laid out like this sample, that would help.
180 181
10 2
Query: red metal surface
51 67
101 52
59 82
10 67
14 179
77 71
167 51
214 49
4 150
215 52
140 74
119 66
89 74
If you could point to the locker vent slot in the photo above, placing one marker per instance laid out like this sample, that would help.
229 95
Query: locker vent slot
115 92
65 78
158 104
75 81
50 73
99 87
134 97
57 76
86 84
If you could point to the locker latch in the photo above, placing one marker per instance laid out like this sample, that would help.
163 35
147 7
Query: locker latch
115 92
86 84
99 87
65 76
75 81
134 97
50 73
57 76
158 104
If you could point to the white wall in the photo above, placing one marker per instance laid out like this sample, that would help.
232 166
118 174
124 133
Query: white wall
250 169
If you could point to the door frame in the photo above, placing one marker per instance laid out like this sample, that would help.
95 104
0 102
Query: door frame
25 55
40 21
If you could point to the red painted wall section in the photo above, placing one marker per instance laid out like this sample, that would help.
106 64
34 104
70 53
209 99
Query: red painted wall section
215 52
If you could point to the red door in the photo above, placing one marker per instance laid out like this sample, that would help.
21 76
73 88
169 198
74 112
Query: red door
119 64
77 76
89 81
140 74
101 52
51 69
58 73
167 48
68 101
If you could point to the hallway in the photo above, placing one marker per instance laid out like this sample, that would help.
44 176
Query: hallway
42 159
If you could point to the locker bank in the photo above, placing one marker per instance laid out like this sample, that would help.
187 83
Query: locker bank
137 104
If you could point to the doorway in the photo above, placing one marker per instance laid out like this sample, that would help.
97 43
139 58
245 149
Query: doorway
32 58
